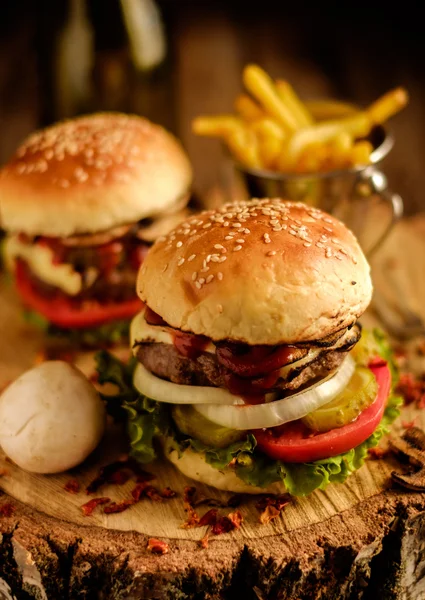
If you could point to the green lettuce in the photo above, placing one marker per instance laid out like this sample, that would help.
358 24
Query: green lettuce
255 468
145 419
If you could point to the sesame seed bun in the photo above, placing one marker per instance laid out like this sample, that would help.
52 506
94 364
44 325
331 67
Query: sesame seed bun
193 465
90 174
260 272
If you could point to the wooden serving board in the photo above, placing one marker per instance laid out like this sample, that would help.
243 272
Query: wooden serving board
352 539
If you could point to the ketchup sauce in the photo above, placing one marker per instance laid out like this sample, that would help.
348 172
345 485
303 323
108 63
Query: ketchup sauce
190 345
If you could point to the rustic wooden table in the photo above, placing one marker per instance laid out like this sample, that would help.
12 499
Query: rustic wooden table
366 540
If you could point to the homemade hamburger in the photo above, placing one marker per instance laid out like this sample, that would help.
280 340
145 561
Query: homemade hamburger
81 201
247 342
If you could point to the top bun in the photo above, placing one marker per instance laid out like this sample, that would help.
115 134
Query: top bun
260 272
90 174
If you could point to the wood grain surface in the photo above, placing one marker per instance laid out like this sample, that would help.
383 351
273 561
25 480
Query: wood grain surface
335 542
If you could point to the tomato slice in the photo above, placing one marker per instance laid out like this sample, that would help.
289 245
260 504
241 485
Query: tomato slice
295 443
62 312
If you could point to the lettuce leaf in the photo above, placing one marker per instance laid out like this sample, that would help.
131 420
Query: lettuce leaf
145 418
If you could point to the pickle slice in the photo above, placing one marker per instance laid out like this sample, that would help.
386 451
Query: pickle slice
359 394
192 423
365 349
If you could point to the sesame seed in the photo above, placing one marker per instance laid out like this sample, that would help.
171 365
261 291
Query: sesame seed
198 285
219 275
237 248
222 259
201 280
328 252
328 229
226 224
181 261
319 245
307 244
229 237
240 241
327 220
218 246
165 267
219 308
209 278
207 225
191 257
179 244
338 256
194 276
236 225
246 230
292 232
271 253
204 269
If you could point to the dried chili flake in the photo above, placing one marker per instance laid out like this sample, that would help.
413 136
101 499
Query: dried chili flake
377 453
209 518
270 507
408 424
204 541
168 493
152 493
118 507
268 514
189 495
227 523
412 389
72 486
192 518
235 518
7 510
157 546
118 472
89 506
139 491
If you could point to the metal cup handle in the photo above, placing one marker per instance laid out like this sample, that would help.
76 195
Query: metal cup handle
375 182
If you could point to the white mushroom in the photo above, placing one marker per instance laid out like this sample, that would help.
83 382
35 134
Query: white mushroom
51 418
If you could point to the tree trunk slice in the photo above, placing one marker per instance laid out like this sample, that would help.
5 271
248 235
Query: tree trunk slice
361 539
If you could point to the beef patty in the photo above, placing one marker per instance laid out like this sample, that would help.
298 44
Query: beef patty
166 362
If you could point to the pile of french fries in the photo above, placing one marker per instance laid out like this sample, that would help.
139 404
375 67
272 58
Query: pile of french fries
274 130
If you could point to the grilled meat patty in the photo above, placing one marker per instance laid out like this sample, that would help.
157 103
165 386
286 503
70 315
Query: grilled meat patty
166 362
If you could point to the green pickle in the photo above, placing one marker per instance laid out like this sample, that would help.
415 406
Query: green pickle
192 423
359 394
365 349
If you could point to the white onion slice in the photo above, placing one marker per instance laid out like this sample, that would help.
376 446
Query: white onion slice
166 391
271 414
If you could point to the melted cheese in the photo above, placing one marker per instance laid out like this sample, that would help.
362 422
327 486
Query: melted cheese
40 261
141 331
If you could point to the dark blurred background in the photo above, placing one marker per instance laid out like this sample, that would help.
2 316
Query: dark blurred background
59 58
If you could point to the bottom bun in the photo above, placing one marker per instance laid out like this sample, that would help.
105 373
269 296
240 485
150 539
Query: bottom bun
193 465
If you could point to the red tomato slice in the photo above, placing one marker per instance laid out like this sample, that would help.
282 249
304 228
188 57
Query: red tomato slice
296 443
62 312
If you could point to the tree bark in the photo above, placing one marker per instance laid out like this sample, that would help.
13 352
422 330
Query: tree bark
374 550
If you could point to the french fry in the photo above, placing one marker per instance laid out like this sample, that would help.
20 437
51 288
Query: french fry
244 146
357 125
289 97
248 109
387 105
220 126
270 137
261 87
323 110
360 153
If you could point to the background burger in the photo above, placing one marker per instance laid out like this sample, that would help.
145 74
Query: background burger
81 202
247 364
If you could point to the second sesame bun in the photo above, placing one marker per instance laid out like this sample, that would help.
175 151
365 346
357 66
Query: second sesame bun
259 272
90 174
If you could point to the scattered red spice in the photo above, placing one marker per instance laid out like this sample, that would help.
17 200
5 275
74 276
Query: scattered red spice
89 506
227 523
270 507
157 546
7 509
204 541
209 518
412 389
409 424
139 491
152 493
168 493
377 453
72 486
118 472
118 507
